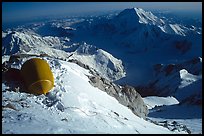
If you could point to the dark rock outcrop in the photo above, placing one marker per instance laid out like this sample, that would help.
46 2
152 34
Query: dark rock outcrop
126 95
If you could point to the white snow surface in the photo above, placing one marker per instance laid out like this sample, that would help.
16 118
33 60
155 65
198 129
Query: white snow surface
103 62
152 101
187 78
72 106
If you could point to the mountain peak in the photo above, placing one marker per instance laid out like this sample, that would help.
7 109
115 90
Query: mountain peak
140 15
138 9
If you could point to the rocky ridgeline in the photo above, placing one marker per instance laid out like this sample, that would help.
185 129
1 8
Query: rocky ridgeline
126 95
171 125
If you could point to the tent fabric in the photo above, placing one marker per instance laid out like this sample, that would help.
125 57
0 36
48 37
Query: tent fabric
37 76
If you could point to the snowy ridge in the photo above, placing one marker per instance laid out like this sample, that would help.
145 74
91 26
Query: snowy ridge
104 63
29 42
75 108
187 78
148 17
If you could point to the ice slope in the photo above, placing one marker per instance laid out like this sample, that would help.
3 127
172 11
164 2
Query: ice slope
72 106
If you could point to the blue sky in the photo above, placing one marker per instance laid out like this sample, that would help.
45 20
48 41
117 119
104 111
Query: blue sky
16 11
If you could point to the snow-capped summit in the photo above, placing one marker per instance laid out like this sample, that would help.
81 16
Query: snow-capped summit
131 17
135 16
141 16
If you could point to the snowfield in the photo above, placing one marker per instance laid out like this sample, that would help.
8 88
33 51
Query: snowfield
153 101
72 106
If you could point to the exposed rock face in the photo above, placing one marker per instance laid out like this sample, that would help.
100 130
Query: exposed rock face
126 95
182 80
171 125
135 102
183 46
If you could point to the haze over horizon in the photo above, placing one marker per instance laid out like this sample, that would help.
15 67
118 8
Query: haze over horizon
22 11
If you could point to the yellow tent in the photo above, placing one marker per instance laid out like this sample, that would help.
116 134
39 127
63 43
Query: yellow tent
37 76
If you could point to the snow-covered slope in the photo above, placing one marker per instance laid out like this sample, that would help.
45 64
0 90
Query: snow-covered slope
72 106
104 63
